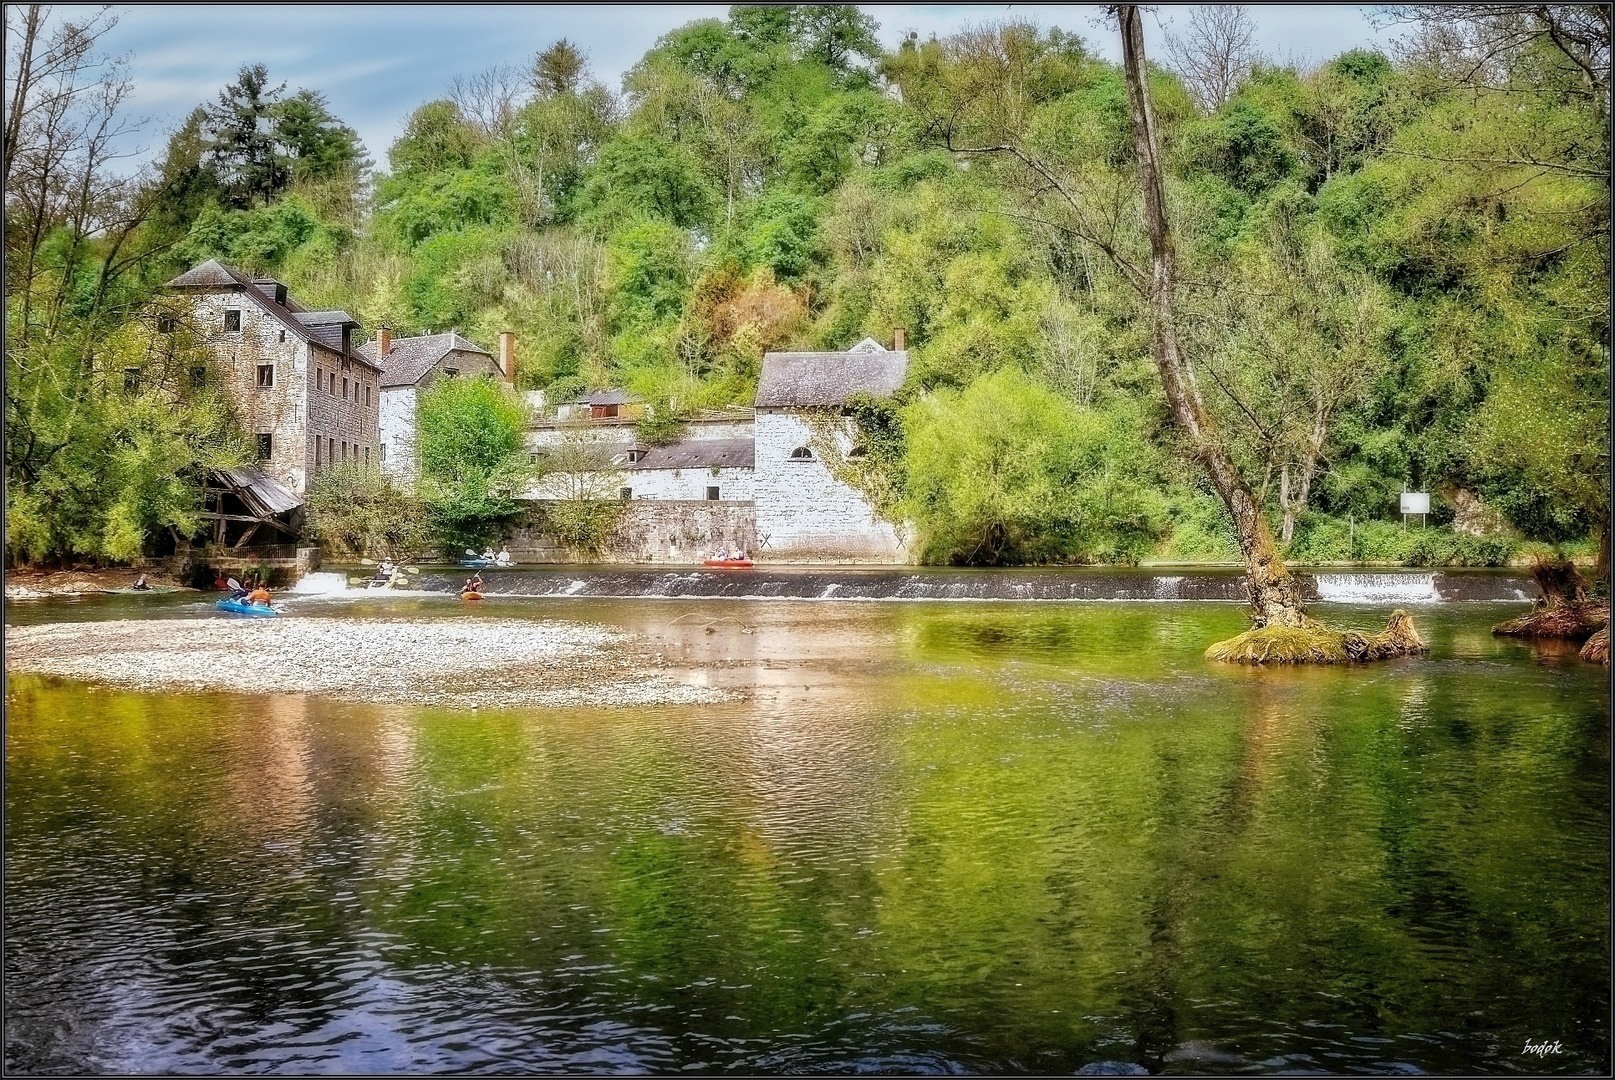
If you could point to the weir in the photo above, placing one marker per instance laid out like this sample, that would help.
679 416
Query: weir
939 584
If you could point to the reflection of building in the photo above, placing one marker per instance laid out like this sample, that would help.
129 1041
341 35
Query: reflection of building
763 465
301 390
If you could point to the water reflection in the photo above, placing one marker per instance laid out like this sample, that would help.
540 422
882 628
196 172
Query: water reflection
995 838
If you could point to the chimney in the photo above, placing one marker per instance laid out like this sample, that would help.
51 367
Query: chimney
507 355
384 340
897 339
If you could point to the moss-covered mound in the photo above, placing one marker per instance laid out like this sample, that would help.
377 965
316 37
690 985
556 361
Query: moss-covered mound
1596 650
1314 643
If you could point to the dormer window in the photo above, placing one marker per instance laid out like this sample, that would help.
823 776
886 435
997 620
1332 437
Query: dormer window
232 321
801 453
856 452
635 455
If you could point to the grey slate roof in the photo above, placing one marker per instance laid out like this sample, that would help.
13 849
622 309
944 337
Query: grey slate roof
820 379
409 359
700 454
609 396
265 495
325 328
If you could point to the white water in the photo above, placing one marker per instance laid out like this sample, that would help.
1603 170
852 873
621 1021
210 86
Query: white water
320 584
1378 588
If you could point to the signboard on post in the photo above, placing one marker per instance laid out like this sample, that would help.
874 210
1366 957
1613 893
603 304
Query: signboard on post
1415 502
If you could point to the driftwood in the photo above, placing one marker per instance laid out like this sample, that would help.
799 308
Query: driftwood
1596 651
1314 643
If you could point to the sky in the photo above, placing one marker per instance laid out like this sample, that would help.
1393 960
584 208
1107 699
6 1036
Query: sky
377 63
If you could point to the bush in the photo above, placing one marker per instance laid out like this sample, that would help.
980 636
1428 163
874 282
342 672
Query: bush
354 508
1007 471
473 468
1320 538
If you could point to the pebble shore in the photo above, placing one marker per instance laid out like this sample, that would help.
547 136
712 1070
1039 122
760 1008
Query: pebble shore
477 663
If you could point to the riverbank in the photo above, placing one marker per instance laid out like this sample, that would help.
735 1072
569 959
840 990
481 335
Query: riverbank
26 584
467 663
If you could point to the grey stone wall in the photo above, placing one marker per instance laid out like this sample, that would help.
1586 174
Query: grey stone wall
678 533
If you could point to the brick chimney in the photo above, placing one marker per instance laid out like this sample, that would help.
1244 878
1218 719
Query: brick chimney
507 355
897 339
384 340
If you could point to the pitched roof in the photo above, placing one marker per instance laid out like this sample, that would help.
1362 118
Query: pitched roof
610 396
409 359
809 379
700 454
265 495
321 327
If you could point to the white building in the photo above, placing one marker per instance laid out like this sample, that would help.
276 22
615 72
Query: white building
763 463
803 512
410 365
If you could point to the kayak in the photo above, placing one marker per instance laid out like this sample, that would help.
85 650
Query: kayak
241 607
470 596
132 591
731 563
475 564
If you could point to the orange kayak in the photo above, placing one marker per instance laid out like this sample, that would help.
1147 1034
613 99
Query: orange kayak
470 596
731 563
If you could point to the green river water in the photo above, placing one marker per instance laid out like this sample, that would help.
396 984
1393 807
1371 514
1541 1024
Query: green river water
936 837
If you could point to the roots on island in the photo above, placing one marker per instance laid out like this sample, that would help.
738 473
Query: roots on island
1596 651
1563 611
1314 643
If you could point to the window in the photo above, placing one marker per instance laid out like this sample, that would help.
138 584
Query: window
344 451
712 494
198 377
330 451
344 389
367 455
316 453
450 372
232 321
856 452
283 337
266 445
626 494
801 453
384 453
131 380
635 455
319 378
266 376
367 395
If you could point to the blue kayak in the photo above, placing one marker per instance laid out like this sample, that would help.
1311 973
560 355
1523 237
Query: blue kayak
475 564
241 607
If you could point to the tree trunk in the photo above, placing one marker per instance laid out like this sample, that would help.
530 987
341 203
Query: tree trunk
1274 594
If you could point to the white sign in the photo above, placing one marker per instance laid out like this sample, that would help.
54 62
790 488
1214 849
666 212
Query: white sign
1415 502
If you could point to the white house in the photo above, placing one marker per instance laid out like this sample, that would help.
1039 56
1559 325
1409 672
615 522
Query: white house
410 365
803 511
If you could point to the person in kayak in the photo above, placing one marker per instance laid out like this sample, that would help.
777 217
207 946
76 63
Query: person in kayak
472 584
259 595
140 584
503 558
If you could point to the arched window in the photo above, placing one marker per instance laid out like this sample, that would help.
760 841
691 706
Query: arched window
856 452
801 453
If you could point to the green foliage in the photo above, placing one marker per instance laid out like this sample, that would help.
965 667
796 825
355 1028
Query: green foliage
356 509
1321 538
472 467
642 175
1007 471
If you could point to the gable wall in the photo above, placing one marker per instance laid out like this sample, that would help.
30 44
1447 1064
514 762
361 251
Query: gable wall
803 512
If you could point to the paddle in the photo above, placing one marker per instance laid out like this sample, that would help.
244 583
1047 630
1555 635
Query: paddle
235 586
367 562
412 569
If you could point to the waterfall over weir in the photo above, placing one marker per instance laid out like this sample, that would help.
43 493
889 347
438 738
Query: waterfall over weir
891 584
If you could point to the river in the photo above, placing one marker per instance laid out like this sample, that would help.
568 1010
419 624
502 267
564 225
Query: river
999 836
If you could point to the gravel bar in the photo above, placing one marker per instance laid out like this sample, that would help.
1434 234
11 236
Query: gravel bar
480 663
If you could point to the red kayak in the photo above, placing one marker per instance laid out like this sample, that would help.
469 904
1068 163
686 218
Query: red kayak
732 563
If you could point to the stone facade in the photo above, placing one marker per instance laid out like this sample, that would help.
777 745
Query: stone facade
803 512
397 431
674 532
314 403
410 365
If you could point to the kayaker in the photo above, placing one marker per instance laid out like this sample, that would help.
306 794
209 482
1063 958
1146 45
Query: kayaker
503 558
473 584
487 554
259 595
385 570
221 583
140 584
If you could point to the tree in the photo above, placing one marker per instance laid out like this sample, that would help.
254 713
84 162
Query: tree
316 145
1215 52
241 139
355 507
559 69
472 467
